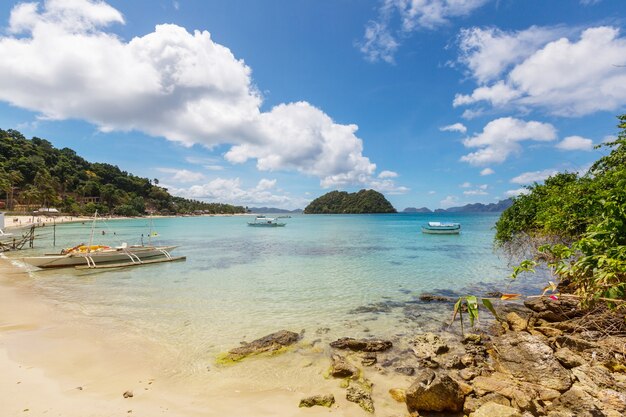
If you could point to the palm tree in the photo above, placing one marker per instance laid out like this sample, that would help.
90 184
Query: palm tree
15 177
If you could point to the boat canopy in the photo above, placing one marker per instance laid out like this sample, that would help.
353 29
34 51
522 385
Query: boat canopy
441 224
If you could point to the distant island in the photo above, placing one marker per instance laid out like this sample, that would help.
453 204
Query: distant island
417 210
272 210
341 202
35 174
468 208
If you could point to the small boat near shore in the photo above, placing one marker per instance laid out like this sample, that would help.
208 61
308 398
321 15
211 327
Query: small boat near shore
441 228
262 221
97 256
84 256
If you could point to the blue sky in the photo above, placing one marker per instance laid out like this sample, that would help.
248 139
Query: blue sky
432 102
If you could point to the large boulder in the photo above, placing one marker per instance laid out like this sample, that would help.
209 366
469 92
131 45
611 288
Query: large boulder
552 310
362 345
528 359
521 394
435 392
270 343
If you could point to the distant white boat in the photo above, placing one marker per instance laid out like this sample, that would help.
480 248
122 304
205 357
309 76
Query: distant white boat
262 221
440 228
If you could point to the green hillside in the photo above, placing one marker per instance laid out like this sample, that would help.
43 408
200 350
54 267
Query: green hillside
33 174
341 202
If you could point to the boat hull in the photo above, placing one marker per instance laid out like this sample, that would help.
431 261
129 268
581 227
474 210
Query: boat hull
98 257
267 224
449 231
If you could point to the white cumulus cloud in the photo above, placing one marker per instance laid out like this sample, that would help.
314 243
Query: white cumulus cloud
182 175
388 174
59 60
488 52
516 192
534 176
575 143
456 127
231 190
569 76
487 171
501 137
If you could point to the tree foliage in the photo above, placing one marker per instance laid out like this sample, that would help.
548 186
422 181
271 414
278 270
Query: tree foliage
589 212
341 202
35 173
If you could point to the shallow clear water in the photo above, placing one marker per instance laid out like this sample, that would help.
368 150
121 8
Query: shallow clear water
353 274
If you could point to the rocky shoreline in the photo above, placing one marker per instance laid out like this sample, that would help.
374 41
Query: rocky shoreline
546 359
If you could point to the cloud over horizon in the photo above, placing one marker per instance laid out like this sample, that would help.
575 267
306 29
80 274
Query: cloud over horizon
501 137
60 61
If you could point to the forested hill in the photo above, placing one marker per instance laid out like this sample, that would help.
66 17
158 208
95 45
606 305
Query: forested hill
341 202
33 174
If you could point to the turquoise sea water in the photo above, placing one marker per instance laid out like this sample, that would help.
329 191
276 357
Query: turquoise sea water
354 275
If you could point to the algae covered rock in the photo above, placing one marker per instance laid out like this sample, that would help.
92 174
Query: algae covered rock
362 345
360 392
321 400
271 343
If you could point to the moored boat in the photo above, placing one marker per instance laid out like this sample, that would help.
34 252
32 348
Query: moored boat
441 228
262 221
95 255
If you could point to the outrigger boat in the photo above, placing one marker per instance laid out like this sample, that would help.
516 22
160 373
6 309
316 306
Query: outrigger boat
262 221
96 256
440 228
84 256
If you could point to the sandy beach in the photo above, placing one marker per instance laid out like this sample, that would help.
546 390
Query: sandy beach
22 221
19 221
57 363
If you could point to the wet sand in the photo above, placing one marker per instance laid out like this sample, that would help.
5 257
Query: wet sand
57 362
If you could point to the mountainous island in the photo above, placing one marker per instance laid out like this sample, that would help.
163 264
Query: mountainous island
342 202
468 208
34 174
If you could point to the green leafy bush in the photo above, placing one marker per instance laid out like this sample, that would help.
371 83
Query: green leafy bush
589 214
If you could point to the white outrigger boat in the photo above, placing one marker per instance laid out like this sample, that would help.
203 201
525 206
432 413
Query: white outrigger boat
99 256
90 256
440 228
262 221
